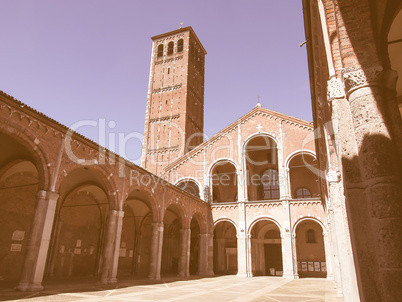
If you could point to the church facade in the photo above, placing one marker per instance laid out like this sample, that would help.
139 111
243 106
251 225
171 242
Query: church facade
246 201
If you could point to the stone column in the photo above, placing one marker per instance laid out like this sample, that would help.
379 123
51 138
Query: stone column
220 255
287 248
184 264
374 194
346 262
294 254
242 247
115 260
54 256
282 170
343 266
249 269
241 255
336 268
242 171
328 258
205 257
110 255
38 244
156 251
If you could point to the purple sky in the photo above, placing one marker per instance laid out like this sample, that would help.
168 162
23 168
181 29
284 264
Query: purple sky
89 59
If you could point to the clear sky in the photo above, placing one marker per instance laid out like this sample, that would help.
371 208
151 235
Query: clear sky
89 59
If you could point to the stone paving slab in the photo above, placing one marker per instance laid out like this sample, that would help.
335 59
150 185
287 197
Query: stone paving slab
223 288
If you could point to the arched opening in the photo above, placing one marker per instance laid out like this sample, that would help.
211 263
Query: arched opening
170 48
266 249
224 182
262 168
136 236
395 53
310 250
171 247
304 183
225 249
160 50
180 45
190 186
18 189
194 245
81 217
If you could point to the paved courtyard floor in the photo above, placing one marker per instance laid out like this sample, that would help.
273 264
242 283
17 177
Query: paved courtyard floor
224 288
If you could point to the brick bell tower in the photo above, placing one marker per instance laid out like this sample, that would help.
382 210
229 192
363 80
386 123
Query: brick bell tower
174 118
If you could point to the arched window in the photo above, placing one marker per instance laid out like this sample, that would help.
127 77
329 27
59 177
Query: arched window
160 50
311 236
270 184
190 187
224 182
261 156
302 193
303 176
180 45
170 48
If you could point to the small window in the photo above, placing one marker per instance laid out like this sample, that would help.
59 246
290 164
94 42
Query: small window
311 236
160 50
170 48
302 193
168 70
180 45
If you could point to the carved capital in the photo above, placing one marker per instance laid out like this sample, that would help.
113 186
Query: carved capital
355 78
335 89
333 176
116 213
47 195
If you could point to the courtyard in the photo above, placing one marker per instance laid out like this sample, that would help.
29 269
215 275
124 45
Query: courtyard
223 288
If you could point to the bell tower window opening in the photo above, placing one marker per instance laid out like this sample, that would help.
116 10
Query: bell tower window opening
170 48
160 50
180 45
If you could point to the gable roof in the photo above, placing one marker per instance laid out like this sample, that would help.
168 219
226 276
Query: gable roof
233 125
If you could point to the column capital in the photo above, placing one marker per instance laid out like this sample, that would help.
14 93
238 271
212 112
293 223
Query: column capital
335 89
48 195
334 176
356 78
158 225
116 213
